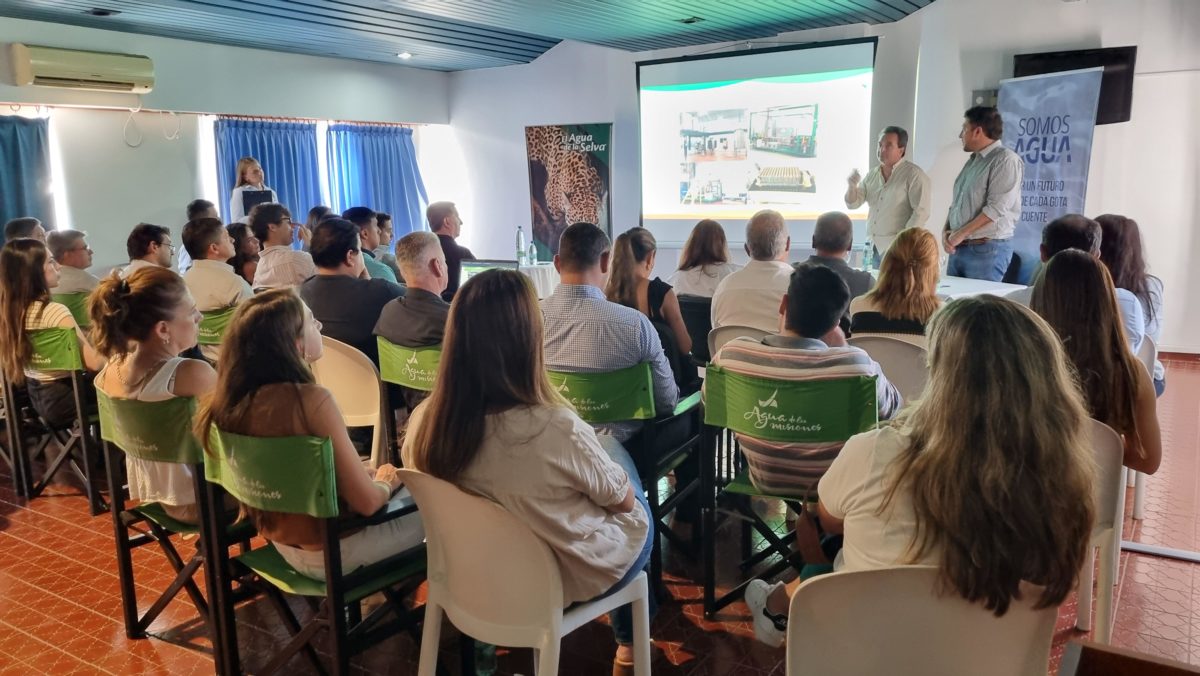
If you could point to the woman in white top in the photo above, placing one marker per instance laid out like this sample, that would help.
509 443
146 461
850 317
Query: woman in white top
1121 252
905 297
704 261
27 274
494 426
141 324
994 494
249 178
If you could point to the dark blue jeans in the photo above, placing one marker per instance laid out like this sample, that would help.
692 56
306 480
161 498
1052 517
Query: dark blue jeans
622 618
986 260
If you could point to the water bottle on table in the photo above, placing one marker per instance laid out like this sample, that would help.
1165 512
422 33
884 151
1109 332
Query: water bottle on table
521 245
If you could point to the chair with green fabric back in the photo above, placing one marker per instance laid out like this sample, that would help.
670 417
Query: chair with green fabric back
412 367
628 394
77 304
58 349
248 469
213 324
767 416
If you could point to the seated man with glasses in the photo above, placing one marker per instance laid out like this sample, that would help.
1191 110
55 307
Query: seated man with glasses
148 245
74 257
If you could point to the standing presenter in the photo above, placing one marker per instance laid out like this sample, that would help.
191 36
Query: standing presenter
896 190
249 191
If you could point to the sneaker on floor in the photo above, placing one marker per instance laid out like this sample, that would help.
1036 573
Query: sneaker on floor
769 628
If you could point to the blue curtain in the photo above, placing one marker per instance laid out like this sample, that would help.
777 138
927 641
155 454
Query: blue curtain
376 166
25 169
287 152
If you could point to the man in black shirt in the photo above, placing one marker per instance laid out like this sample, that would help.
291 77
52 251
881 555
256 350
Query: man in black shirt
347 305
445 223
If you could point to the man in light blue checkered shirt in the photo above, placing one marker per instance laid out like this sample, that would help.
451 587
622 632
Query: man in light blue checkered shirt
586 333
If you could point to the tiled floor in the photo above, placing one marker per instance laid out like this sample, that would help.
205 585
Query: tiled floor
60 608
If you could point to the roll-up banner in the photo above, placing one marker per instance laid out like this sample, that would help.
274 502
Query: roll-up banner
569 179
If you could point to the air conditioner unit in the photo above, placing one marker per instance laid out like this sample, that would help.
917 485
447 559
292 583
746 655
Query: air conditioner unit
76 69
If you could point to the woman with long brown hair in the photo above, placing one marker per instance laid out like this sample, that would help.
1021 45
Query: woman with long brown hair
27 273
905 297
494 426
704 261
1121 251
246 250
265 388
141 324
1075 294
991 492
629 284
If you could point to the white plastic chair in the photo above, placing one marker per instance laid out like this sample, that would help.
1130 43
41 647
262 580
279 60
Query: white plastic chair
499 583
1106 535
896 621
904 364
723 334
354 382
1147 354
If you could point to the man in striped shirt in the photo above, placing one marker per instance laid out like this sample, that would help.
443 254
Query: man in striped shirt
811 347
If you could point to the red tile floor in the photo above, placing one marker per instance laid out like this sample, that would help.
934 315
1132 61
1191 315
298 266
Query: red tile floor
60 608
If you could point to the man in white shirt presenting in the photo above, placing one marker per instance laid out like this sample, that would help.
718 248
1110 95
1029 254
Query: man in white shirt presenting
211 280
896 190
750 296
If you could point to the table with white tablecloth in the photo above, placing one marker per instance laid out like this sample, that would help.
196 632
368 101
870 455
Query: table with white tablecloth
543 276
960 287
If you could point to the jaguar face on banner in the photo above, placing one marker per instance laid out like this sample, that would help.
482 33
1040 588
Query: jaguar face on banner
568 179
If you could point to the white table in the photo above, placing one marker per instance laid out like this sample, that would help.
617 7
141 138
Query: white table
544 277
961 287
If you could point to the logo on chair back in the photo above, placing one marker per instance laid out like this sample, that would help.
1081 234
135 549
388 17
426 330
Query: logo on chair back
761 416
562 388
770 402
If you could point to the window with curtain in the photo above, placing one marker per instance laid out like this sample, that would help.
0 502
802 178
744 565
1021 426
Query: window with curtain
25 169
375 166
287 152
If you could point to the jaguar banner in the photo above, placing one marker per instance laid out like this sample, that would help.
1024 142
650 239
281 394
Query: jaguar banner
569 179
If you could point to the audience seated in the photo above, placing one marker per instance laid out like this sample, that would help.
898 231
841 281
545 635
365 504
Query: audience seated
148 246
25 226
750 296
211 280
383 253
991 493
445 223
141 324
28 274
704 261
265 388
418 318
494 426
345 302
833 238
245 244
278 263
810 347
70 249
368 233
905 297
1079 232
1075 295
196 209
1121 253
316 215
630 285
587 333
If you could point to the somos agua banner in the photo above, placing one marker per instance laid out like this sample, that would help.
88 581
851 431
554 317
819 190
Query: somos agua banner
568 179
1048 121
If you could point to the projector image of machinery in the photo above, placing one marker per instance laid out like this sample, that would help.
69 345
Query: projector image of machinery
791 130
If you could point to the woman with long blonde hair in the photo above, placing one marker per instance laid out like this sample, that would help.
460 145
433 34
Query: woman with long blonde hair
989 476
1075 294
494 426
629 284
905 297
249 178
704 261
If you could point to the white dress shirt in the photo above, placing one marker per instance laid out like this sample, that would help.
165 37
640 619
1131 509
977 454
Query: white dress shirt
237 210
279 265
74 280
136 265
899 202
751 296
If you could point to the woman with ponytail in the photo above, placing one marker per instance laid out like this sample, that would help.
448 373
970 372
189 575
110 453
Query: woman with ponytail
905 297
629 284
141 324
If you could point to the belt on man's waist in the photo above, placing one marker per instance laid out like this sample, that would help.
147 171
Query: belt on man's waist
980 240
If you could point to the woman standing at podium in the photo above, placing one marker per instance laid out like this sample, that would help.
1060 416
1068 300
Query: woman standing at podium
248 190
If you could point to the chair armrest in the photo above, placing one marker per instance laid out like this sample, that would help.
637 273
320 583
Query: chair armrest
687 404
392 510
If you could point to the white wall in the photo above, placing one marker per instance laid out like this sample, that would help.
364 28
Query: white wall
205 78
926 68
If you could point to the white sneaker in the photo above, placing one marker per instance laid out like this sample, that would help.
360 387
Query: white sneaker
768 628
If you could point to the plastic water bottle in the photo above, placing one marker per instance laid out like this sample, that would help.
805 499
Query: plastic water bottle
521 245
531 257
867 255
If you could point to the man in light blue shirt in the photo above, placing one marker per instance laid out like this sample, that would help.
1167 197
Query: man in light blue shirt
987 200
368 233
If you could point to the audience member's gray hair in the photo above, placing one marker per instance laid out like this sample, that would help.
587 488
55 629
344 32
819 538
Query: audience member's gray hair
833 232
413 252
62 242
766 235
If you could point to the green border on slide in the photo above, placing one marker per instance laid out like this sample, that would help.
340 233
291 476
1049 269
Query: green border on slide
778 79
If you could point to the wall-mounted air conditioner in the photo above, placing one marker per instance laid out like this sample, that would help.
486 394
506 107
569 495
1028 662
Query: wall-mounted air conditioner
76 69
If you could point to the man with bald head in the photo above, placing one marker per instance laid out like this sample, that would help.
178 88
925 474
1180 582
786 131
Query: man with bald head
750 296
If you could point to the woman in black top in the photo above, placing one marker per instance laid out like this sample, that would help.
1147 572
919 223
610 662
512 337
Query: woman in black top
629 284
